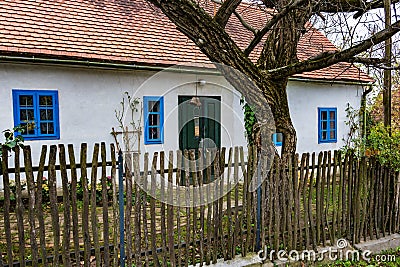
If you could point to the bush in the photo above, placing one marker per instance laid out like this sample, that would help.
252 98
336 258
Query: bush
379 143
385 147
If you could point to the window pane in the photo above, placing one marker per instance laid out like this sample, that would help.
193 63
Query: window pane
29 128
154 133
43 128
26 115
154 119
324 115
46 100
324 135
324 125
332 135
332 125
332 115
46 114
154 106
46 128
26 101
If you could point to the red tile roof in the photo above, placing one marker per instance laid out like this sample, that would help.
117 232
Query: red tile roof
128 31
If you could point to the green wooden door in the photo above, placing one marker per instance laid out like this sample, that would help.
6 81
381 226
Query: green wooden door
209 122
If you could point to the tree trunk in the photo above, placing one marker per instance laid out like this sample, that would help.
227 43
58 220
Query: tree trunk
279 51
268 98
282 117
252 80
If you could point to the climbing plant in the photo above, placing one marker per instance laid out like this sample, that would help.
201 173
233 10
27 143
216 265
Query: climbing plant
129 123
250 121
12 139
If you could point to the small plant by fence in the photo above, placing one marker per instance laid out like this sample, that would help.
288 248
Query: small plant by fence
305 201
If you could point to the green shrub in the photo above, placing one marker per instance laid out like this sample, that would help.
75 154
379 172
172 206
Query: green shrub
384 146
379 141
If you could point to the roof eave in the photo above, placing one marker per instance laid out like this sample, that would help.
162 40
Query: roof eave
107 65
331 81
32 59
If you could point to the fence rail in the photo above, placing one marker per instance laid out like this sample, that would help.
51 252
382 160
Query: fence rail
303 202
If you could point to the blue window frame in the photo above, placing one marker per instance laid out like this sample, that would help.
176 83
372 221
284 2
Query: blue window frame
37 110
153 119
327 125
277 138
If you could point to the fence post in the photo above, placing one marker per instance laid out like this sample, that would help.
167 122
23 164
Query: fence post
258 232
121 208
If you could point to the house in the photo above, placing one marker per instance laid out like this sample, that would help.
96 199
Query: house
65 66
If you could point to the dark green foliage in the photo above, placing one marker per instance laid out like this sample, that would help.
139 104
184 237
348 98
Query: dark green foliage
249 121
99 189
385 146
378 140
12 139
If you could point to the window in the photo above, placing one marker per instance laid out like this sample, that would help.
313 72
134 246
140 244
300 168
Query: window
327 125
153 119
277 138
37 110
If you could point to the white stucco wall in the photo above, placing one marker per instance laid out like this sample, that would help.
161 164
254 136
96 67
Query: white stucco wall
88 98
304 100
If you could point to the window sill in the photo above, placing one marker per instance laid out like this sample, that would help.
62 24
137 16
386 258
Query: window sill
153 143
327 142
40 138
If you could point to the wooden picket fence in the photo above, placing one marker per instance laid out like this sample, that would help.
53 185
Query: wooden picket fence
305 201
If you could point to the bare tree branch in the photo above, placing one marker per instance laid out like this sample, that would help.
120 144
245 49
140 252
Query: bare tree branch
241 19
329 59
225 11
206 33
245 24
269 3
366 61
389 68
333 6
372 5
360 6
258 37
374 62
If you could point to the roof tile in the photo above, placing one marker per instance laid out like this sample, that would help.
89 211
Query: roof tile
130 31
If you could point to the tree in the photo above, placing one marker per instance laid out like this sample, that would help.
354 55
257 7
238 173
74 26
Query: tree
377 111
267 78
382 60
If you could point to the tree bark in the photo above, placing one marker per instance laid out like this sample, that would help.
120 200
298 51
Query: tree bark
278 51
283 119
268 98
